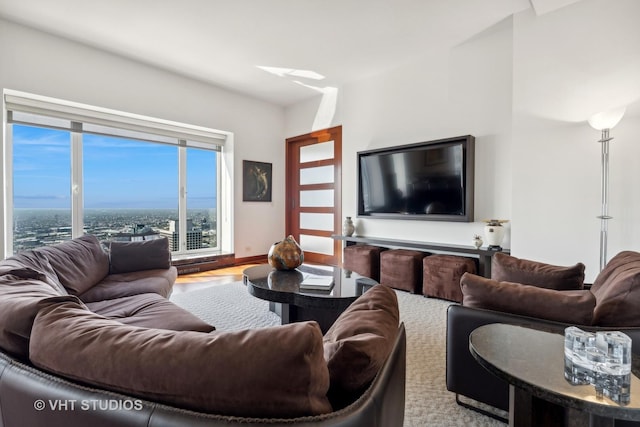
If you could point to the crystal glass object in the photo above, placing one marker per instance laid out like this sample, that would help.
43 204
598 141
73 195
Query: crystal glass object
614 373
577 368
602 359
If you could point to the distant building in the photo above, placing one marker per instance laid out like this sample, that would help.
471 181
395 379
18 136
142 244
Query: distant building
194 236
136 233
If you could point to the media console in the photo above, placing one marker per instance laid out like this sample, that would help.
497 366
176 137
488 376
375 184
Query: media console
484 255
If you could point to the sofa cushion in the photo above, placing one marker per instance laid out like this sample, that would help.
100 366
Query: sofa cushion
266 372
137 282
79 263
11 267
149 311
574 306
125 257
39 264
20 301
358 343
617 291
507 268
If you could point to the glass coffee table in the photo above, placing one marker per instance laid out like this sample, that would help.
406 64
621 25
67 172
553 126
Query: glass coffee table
310 292
532 362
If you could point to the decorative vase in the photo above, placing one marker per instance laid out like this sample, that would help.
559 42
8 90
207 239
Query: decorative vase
477 241
348 228
285 255
494 233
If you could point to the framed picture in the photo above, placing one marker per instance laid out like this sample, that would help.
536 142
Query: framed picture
256 181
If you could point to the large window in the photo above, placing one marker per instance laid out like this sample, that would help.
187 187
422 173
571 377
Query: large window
41 186
74 169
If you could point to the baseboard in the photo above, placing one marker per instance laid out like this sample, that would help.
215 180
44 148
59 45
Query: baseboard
256 259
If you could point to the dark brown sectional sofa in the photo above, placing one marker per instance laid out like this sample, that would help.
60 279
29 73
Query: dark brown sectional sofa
540 296
88 337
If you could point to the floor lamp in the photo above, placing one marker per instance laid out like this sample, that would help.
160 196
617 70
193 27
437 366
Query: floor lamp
604 122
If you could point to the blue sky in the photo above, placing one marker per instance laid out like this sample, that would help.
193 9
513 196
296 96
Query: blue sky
118 173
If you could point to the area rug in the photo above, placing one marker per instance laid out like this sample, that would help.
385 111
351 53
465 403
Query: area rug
428 403
228 307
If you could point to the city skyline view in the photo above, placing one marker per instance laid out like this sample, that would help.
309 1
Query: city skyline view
43 227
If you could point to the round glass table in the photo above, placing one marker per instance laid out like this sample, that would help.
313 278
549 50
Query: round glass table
532 362
310 292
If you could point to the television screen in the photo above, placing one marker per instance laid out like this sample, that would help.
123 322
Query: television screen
429 180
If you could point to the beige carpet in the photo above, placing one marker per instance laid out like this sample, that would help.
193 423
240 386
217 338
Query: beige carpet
428 403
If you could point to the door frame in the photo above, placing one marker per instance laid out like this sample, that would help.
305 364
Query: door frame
292 161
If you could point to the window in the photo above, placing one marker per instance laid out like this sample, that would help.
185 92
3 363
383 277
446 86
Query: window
41 216
75 169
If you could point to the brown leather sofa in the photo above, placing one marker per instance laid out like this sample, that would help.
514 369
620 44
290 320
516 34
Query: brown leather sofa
89 338
23 388
612 303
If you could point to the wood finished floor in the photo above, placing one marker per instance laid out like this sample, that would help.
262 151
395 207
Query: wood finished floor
205 279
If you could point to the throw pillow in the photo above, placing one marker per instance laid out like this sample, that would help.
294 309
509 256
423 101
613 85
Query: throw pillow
617 291
575 307
79 263
126 257
267 372
507 268
358 343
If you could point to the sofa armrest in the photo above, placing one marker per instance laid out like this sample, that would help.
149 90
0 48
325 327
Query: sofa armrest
464 375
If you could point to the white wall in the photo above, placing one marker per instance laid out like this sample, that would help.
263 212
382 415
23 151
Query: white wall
35 62
466 90
568 65
525 89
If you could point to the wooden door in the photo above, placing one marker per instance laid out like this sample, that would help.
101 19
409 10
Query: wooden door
314 194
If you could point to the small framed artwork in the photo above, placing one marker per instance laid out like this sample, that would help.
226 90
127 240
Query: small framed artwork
256 181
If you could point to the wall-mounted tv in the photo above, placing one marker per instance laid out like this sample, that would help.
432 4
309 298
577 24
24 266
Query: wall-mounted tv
427 181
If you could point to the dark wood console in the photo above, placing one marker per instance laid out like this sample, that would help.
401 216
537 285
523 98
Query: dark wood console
483 254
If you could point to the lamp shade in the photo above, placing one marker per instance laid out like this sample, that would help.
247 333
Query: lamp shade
606 119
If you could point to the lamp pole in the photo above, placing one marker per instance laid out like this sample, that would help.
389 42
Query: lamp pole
604 213
604 122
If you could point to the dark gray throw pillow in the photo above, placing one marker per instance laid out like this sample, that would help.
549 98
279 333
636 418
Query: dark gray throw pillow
125 257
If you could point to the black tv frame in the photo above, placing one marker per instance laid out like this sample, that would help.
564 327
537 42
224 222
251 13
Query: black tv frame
468 149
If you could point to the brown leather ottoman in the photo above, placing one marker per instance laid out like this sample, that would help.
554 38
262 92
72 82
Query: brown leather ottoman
363 259
401 269
441 275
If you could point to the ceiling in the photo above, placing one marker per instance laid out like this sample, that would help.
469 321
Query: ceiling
281 51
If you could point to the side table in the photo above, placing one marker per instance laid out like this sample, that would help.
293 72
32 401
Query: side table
532 361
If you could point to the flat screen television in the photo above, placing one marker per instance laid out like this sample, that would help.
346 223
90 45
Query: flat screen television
430 180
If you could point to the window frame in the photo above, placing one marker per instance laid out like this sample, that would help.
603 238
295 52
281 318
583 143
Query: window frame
181 135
